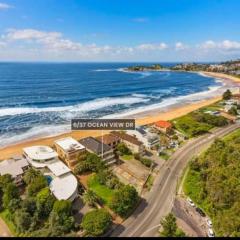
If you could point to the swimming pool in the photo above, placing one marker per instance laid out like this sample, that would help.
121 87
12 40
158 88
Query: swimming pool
49 179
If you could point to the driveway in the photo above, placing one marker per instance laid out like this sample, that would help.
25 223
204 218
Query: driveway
4 230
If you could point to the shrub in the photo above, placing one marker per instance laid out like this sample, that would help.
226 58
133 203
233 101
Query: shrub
137 156
146 162
123 149
123 200
96 222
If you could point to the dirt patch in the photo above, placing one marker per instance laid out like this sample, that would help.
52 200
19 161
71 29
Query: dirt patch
4 230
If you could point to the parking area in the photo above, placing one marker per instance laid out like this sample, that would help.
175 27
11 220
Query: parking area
189 219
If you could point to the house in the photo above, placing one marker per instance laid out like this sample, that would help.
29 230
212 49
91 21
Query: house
236 98
110 140
16 167
131 142
230 118
163 126
69 150
100 149
63 184
148 139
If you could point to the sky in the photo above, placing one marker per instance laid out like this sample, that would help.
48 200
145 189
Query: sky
119 30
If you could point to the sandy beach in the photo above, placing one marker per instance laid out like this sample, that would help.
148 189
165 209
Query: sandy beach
141 120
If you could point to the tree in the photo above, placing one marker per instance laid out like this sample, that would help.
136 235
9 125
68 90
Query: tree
10 192
30 175
36 185
22 220
91 163
233 111
5 180
227 95
60 220
29 205
62 207
96 222
123 149
90 198
44 203
14 204
170 229
123 200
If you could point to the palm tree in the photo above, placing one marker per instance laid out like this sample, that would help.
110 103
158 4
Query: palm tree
90 198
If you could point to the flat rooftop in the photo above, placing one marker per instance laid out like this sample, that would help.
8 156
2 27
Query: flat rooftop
40 153
58 168
64 187
69 144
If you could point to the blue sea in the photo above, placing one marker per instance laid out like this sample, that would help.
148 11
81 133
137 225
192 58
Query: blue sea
40 99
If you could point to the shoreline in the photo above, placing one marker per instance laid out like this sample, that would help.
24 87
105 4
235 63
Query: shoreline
143 118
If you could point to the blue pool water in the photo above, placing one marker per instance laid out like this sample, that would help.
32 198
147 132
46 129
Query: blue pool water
49 179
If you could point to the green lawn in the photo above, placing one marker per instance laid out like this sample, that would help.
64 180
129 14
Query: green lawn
164 156
102 191
232 136
4 215
149 182
127 157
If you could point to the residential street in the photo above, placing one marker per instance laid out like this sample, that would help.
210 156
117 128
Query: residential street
145 220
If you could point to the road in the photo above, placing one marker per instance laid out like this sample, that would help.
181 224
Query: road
144 222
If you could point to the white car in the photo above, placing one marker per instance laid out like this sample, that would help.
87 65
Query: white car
210 233
209 222
189 200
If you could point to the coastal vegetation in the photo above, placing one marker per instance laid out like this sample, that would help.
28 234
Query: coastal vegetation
34 213
154 67
197 123
213 183
227 95
96 222
228 67
120 198
170 228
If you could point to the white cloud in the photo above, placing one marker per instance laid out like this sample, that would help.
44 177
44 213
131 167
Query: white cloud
36 44
2 44
180 46
224 45
150 46
4 6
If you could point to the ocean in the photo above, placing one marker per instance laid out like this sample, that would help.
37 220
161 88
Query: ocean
40 99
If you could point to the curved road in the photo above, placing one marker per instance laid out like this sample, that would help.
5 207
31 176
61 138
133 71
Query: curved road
144 222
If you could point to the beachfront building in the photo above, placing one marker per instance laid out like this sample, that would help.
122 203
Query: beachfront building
15 166
131 142
163 126
100 149
109 139
229 117
236 98
148 139
62 182
69 150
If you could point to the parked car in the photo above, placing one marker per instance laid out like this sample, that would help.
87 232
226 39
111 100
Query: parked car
210 233
200 211
209 222
189 200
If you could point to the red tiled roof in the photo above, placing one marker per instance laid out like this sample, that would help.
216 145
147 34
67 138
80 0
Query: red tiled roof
163 124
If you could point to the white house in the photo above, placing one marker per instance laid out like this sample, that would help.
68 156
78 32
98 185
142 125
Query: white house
63 185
